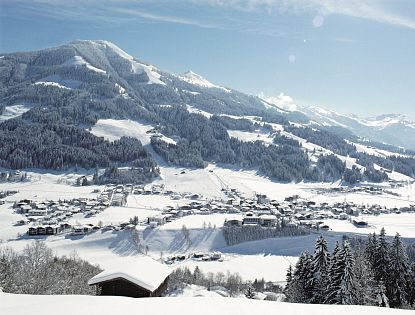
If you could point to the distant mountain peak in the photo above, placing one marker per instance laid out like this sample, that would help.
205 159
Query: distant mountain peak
107 44
194 78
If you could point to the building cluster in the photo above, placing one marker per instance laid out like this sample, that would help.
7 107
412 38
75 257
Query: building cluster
265 212
51 217
372 189
198 256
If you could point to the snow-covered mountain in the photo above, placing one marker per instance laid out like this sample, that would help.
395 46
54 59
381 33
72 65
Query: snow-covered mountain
100 71
98 65
196 79
393 129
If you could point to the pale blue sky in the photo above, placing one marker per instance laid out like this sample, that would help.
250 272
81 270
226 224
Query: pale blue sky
352 56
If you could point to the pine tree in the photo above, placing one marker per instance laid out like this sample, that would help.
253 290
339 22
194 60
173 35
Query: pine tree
348 289
299 289
289 286
411 286
399 274
365 282
334 273
320 270
381 258
371 248
381 298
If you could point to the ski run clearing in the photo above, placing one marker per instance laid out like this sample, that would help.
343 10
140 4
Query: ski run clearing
11 304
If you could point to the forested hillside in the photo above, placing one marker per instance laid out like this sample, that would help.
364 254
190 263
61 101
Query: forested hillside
64 91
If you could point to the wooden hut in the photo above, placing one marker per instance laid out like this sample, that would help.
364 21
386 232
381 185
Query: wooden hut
141 277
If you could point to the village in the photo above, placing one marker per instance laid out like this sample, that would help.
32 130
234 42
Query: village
51 217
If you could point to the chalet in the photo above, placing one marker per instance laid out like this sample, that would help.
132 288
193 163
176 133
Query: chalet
233 222
23 221
250 219
343 216
52 230
32 231
157 220
268 220
25 208
37 212
142 277
80 230
41 230
324 227
262 199
360 223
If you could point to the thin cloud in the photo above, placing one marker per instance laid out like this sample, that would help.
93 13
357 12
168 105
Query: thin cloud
364 9
165 18
154 10
343 40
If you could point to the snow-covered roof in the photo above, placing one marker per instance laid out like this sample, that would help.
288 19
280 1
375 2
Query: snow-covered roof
268 217
143 271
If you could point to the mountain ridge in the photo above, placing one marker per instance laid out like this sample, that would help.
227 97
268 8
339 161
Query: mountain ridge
70 87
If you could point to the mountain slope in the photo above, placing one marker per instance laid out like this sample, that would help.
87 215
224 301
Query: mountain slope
64 90
392 129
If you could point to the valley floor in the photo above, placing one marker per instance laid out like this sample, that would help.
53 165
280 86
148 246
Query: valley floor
268 258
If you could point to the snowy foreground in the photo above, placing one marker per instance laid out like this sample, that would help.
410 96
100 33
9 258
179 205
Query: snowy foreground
12 304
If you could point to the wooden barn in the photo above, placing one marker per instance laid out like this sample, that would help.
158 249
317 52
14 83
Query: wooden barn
137 278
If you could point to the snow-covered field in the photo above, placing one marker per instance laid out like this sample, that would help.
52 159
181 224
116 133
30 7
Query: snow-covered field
403 223
250 136
249 267
199 221
11 304
113 129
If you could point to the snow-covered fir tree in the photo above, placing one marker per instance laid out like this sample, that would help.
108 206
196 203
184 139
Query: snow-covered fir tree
365 282
381 258
399 273
348 288
320 270
335 267
300 287
374 272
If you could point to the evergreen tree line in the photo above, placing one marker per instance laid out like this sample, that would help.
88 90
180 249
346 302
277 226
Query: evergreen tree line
234 234
236 124
142 171
54 146
323 138
36 270
376 272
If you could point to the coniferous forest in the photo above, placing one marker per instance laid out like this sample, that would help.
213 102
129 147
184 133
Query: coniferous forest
376 271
